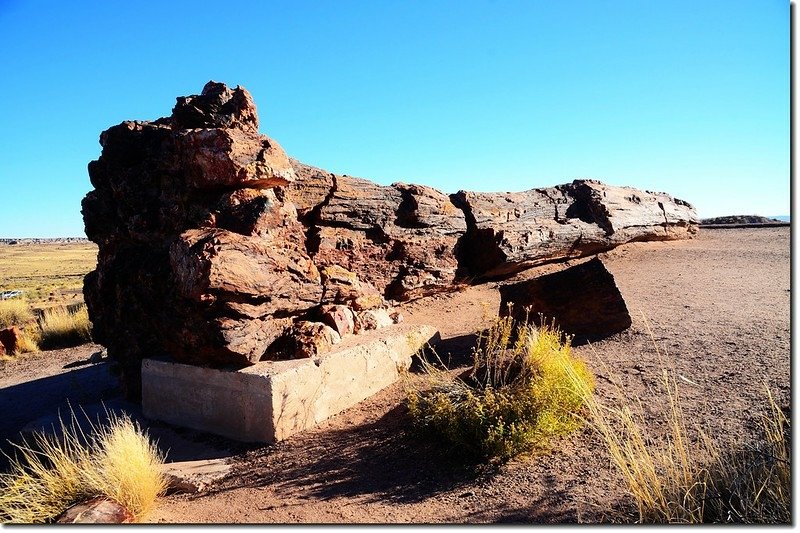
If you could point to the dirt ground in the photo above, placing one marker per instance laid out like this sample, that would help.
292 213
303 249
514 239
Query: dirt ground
717 308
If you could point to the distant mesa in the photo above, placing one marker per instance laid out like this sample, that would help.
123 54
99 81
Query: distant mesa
743 220
218 249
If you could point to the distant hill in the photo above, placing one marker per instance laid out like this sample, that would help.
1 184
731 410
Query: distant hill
784 218
743 220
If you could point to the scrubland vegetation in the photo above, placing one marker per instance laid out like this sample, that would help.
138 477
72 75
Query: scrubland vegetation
48 274
51 472
518 395
15 312
688 476
47 329
525 387
61 328
50 312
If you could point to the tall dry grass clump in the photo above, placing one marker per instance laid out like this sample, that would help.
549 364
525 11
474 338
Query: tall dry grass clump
52 472
61 328
28 341
518 394
677 479
15 312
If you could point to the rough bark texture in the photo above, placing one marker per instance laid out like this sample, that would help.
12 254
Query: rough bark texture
582 300
99 510
214 245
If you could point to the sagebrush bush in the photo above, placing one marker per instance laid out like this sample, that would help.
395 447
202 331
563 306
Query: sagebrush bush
61 328
52 472
15 312
519 394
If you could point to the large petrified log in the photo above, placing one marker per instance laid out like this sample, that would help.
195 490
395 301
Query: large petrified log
411 240
582 300
214 246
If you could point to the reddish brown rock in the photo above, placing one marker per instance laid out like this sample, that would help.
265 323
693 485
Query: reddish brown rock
217 158
396 316
340 286
340 318
200 257
217 106
214 245
305 339
2 349
11 339
400 238
509 232
99 510
583 300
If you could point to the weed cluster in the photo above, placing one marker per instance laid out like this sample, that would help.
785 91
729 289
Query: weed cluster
680 480
55 327
61 328
518 395
15 312
52 472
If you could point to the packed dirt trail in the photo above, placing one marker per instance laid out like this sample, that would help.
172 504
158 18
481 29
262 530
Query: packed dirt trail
715 310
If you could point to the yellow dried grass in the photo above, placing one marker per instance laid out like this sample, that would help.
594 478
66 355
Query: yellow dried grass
61 328
52 472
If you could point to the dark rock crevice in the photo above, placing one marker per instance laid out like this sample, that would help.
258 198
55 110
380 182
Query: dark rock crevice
312 221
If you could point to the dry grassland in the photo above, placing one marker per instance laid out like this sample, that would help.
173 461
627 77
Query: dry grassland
49 273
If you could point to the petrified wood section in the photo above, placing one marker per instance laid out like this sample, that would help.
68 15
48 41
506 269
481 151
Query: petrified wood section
411 240
199 254
583 300
98 510
399 238
214 245
513 231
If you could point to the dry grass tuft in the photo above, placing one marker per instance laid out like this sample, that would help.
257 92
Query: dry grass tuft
684 481
28 341
63 329
517 396
15 312
51 473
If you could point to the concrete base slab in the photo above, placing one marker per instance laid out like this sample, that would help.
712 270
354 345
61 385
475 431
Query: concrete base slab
272 400
195 476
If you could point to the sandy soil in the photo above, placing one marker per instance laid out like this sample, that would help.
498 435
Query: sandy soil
718 309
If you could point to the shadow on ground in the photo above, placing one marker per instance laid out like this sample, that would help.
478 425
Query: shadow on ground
22 403
378 459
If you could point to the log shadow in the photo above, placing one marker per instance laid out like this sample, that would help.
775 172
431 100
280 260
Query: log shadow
379 460
25 402
453 352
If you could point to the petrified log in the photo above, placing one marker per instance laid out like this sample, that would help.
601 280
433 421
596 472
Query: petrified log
509 232
98 510
214 245
10 340
582 300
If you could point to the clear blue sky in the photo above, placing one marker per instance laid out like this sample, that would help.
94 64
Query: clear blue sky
689 97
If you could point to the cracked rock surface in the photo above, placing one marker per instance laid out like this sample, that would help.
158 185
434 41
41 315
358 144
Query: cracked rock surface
214 245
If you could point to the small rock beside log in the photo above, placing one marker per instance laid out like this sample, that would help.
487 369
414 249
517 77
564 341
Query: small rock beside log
99 510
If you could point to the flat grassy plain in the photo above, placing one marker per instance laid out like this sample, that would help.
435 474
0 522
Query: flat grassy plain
49 273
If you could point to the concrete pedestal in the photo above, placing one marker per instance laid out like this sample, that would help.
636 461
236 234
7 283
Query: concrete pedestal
272 400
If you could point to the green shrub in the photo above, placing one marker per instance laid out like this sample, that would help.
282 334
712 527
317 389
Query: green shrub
519 394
